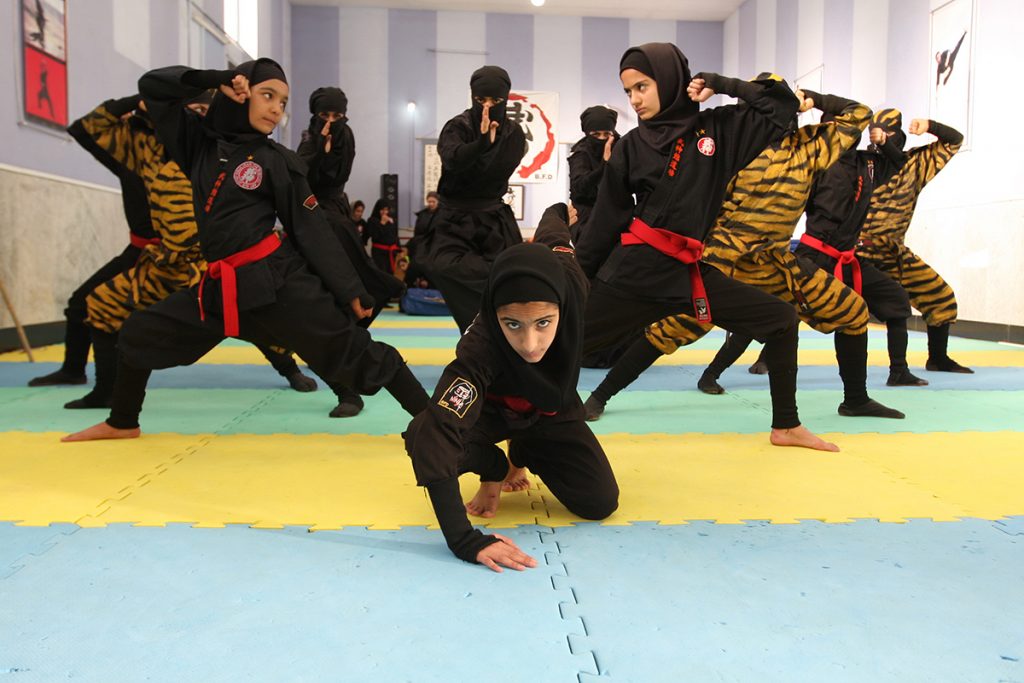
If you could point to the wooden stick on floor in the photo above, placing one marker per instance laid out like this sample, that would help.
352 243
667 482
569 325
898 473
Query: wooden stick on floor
17 325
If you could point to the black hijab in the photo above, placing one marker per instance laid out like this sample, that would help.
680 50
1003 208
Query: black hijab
228 120
671 71
490 81
532 272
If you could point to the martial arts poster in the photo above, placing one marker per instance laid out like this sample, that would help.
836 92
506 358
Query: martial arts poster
431 168
949 80
516 198
44 61
537 114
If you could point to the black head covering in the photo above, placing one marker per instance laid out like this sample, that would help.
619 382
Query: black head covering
598 118
228 120
671 71
532 272
490 81
891 121
328 99
380 204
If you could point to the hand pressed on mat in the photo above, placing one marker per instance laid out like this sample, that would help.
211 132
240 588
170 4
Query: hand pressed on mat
504 553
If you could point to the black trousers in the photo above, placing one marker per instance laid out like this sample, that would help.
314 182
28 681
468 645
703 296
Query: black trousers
304 318
560 449
458 253
613 313
77 335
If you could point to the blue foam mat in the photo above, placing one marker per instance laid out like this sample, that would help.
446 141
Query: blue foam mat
699 602
921 601
237 604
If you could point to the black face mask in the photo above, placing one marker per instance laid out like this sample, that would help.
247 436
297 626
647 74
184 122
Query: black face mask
316 128
891 121
493 82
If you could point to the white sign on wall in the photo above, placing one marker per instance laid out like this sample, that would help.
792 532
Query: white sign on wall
537 114
950 77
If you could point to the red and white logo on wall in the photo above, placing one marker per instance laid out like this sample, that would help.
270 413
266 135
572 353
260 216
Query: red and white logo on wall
44 61
537 114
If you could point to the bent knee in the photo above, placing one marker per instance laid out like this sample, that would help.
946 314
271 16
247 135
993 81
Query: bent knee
596 508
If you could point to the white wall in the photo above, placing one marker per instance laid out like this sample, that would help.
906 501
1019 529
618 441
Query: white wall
969 223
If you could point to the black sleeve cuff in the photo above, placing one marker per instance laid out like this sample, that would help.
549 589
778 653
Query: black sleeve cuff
122 106
945 133
207 78
732 87
463 539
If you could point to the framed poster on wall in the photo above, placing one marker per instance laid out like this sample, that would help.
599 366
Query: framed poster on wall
44 61
950 81
515 197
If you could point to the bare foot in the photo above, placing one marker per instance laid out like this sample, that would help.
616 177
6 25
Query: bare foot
485 502
515 480
802 437
103 431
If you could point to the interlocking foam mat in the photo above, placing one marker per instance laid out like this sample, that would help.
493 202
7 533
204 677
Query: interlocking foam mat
248 536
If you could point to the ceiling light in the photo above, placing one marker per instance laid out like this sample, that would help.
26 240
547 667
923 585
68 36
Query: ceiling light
537 3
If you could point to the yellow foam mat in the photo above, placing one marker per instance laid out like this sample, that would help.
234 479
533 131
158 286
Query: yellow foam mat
329 481
242 355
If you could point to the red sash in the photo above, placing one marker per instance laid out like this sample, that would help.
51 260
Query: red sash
224 269
142 242
682 249
392 249
843 258
517 404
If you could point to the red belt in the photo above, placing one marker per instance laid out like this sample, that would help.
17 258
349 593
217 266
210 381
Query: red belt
517 404
142 242
391 249
682 249
844 258
225 269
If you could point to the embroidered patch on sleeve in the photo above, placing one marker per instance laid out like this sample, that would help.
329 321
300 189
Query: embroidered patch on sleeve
459 397
310 202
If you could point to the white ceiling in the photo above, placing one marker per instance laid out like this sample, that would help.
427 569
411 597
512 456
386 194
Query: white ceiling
690 10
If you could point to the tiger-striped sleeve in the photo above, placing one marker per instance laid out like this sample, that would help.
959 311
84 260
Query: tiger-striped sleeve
842 133
127 144
925 162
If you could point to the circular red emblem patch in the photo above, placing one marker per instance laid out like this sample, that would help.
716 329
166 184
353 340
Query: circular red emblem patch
248 175
706 146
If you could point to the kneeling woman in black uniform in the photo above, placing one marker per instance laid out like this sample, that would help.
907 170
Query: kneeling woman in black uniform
514 377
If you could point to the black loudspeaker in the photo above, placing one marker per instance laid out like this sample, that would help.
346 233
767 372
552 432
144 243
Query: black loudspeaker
389 191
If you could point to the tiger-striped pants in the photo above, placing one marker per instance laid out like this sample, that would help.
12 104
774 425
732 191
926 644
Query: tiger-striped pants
153 278
929 293
822 301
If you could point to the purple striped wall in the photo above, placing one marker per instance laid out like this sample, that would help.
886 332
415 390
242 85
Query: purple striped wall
838 49
786 17
604 41
748 40
510 45
316 60
412 67
701 42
